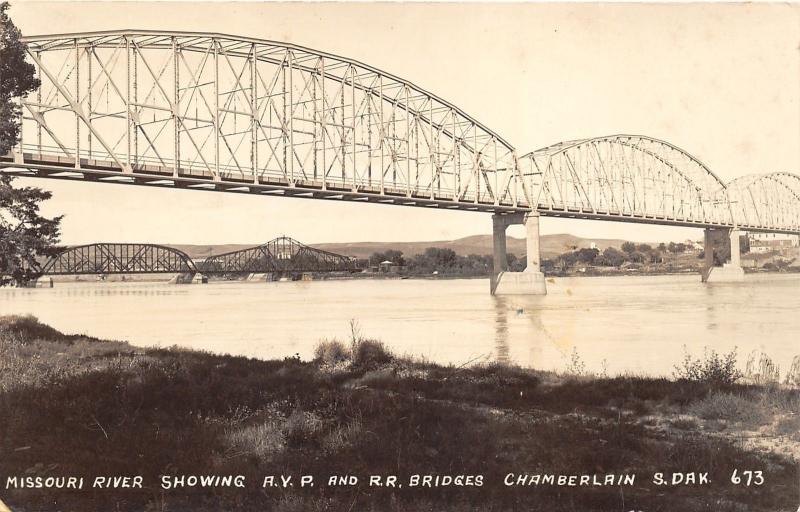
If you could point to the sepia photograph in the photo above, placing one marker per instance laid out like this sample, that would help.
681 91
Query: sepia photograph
399 256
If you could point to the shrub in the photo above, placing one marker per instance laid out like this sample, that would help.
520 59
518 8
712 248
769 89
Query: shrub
713 369
370 354
331 352
367 354
576 365
302 428
730 407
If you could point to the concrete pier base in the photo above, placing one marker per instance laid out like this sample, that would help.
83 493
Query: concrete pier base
259 276
529 282
519 283
727 273
722 259
42 282
189 278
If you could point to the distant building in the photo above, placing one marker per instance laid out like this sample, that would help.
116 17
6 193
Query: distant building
693 245
760 245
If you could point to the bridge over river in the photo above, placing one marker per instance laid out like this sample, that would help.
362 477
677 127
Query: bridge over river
282 256
217 112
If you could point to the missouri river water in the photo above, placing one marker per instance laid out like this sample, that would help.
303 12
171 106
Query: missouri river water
625 324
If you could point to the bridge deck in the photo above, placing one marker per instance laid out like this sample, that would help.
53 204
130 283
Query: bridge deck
103 171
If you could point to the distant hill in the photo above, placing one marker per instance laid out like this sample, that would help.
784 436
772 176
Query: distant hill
551 245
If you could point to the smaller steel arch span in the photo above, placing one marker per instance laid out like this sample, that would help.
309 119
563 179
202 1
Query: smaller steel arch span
768 201
790 179
627 175
119 258
565 145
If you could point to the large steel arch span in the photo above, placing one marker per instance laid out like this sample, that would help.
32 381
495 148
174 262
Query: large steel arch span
766 202
113 258
240 114
283 254
626 177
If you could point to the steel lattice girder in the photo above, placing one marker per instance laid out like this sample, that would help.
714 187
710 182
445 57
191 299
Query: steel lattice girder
626 176
218 112
105 258
225 109
282 254
766 201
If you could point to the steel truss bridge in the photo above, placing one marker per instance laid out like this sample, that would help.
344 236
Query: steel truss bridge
233 114
281 255
102 258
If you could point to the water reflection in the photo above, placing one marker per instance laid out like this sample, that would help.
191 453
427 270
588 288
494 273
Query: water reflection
520 334
501 329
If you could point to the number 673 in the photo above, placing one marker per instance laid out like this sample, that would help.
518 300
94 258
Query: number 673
747 477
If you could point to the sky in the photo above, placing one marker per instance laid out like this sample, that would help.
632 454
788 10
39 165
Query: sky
721 81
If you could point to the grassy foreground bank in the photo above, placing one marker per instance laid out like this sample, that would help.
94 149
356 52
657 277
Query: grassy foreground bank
76 406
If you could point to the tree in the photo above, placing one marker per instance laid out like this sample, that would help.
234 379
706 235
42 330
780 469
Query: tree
587 255
396 257
25 236
613 257
629 247
16 79
638 257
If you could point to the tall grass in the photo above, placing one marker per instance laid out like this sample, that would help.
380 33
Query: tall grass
793 375
761 369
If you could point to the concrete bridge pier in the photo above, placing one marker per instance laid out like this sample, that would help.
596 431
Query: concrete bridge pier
531 280
41 282
189 278
721 265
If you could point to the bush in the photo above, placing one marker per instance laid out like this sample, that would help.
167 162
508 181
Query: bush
302 428
730 407
370 354
713 369
331 352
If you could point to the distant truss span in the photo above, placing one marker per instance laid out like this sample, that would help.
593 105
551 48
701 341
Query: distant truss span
113 258
626 176
282 255
766 201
